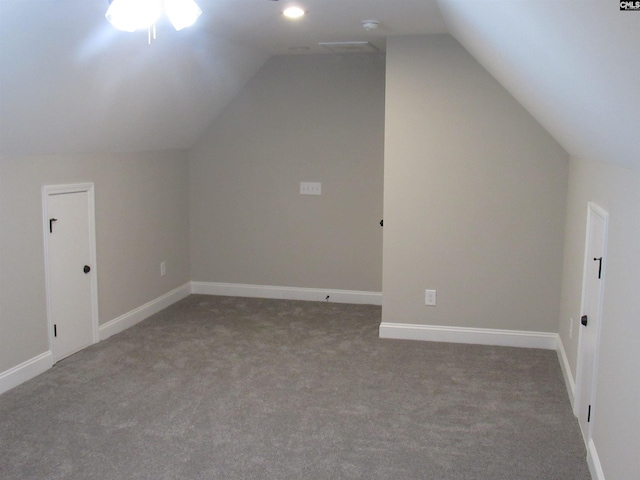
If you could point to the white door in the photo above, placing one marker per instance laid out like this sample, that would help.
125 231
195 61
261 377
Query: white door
592 297
71 274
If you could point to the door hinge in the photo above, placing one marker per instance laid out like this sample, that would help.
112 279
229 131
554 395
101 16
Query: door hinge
589 414
55 330
599 260
51 220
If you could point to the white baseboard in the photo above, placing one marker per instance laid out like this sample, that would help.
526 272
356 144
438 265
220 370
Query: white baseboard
25 371
136 315
566 372
594 462
287 293
479 336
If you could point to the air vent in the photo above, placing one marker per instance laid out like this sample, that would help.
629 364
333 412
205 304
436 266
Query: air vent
349 47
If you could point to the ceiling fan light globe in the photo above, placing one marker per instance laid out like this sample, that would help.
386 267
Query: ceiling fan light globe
182 13
132 15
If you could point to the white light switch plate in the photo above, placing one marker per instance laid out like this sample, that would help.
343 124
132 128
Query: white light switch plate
310 188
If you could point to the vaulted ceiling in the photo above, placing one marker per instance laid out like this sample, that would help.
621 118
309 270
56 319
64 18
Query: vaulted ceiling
69 82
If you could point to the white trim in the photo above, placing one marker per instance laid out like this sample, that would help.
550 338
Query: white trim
566 371
480 336
287 293
136 315
595 468
25 371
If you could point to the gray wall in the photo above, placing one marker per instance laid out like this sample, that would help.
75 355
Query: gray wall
474 202
301 118
474 196
141 219
616 432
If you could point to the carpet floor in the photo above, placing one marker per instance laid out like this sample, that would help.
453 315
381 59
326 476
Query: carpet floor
238 388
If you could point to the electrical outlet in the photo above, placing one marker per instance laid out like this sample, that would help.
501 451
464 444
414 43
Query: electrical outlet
430 298
163 268
310 188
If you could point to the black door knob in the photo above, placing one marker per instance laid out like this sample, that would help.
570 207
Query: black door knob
86 269
583 320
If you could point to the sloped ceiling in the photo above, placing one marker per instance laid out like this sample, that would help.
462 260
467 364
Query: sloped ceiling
69 82
573 64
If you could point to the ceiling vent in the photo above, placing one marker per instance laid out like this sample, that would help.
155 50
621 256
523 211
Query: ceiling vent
349 47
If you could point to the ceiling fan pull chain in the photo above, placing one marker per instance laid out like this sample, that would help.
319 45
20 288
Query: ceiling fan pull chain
151 28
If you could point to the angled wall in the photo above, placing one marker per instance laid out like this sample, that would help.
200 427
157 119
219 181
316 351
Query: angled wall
474 196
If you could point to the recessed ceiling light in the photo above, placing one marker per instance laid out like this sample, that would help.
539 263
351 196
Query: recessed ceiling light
293 12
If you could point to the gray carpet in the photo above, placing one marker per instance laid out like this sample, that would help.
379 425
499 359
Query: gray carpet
232 388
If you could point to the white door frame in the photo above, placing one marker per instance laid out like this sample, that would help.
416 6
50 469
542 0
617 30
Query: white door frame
47 191
592 210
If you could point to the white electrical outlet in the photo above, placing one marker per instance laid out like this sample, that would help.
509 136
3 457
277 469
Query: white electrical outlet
310 188
430 298
163 268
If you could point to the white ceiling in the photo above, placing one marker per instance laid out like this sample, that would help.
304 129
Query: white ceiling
259 24
573 64
69 82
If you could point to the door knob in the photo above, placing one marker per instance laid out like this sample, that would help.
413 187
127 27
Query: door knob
584 320
86 269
